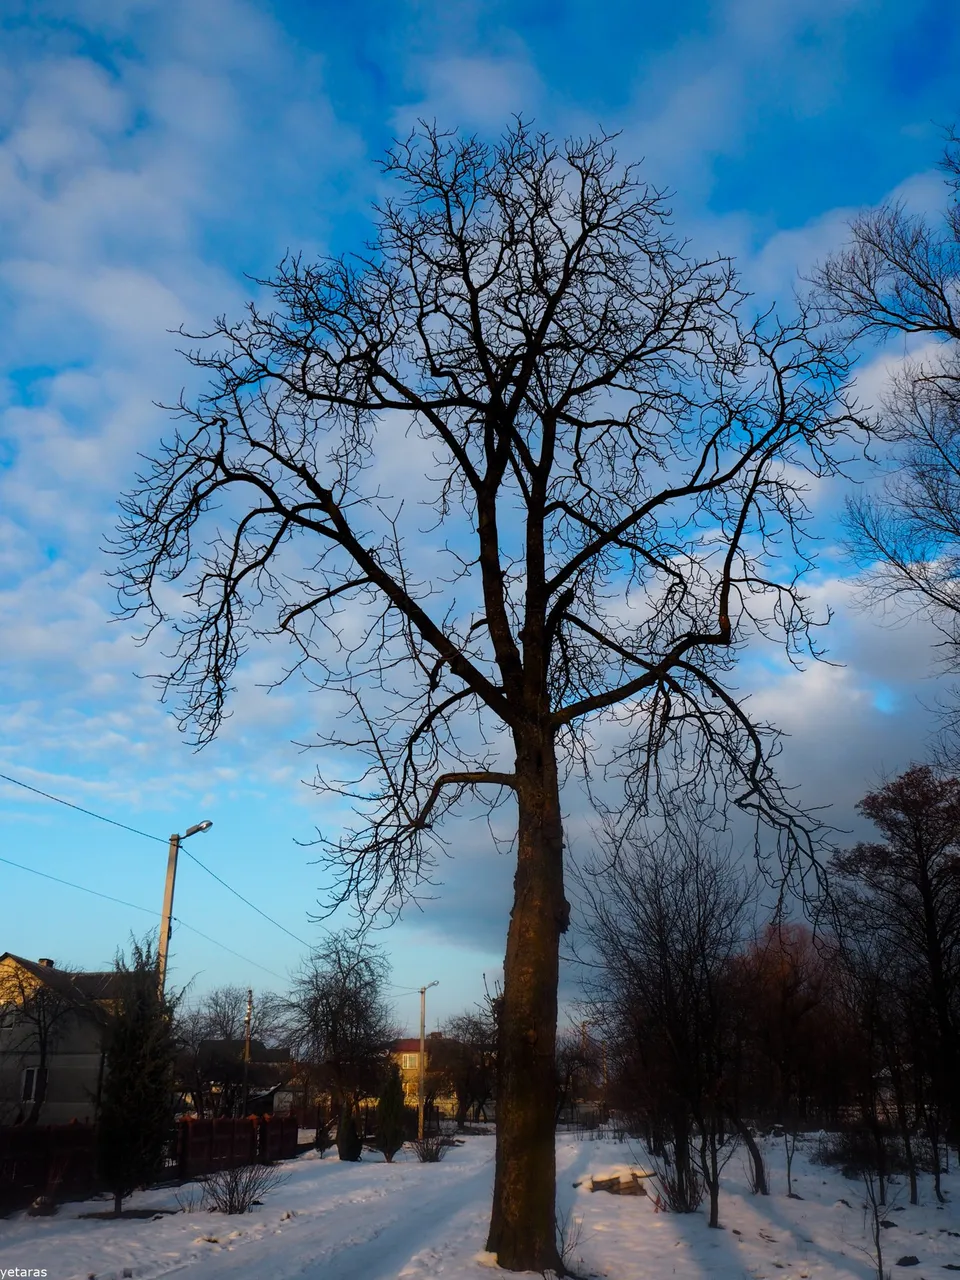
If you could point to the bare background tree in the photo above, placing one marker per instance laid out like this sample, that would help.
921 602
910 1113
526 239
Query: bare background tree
221 1014
609 452
664 920
901 275
34 1017
341 1027
467 1058
210 1034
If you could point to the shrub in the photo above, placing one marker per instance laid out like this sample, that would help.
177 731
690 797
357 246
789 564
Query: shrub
349 1143
431 1148
857 1151
680 1191
236 1190
569 1237
324 1139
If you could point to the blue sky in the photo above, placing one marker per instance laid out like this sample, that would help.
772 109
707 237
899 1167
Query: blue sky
153 155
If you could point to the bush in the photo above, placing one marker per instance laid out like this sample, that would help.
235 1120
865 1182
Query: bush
324 1139
856 1152
432 1147
569 1236
190 1198
236 1190
680 1193
349 1143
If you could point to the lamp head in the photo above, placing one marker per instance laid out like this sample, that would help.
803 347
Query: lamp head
201 826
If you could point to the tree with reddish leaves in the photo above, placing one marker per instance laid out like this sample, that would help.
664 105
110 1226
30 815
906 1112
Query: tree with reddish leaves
790 1027
905 890
607 456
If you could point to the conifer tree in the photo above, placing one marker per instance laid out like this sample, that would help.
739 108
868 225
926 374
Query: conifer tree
390 1116
137 1106
349 1142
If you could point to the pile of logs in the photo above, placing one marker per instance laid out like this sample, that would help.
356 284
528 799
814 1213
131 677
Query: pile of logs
618 1186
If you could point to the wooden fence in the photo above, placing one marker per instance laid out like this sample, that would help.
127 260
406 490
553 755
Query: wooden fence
60 1160
46 1159
204 1146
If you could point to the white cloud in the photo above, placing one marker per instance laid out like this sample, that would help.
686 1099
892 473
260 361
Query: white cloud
474 91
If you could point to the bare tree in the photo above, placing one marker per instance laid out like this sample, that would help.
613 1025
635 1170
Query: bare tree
340 1023
901 275
613 462
213 1077
578 1068
467 1058
37 1015
665 920
223 1014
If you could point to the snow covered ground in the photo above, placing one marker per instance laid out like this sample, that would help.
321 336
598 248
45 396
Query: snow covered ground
373 1221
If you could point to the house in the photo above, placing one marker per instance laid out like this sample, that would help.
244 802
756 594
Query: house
216 1082
406 1054
53 1026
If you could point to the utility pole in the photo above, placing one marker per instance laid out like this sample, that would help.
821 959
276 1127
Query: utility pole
423 1054
166 920
246 1049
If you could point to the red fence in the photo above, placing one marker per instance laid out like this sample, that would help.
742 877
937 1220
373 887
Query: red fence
204 1146
61 1159
47 1159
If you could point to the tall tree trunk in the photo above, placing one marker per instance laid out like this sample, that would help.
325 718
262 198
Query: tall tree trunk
756 1158
711 1171
523 1223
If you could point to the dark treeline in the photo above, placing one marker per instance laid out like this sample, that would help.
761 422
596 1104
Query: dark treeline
717 1024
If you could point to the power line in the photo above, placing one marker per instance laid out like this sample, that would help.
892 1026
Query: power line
82 888
113 822
80 809
223 947
237 894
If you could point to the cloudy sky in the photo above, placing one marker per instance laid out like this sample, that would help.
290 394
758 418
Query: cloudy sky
155 153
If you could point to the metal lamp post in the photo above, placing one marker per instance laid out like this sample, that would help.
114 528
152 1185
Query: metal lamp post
423 1054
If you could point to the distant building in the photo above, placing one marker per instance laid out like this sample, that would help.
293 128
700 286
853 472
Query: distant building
53 1026
216 1082
406 1054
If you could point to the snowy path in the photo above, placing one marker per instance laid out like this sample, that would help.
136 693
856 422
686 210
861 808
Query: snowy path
376 1241
407 1221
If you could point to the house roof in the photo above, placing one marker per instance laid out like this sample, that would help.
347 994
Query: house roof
232 1051
411 1044
85 989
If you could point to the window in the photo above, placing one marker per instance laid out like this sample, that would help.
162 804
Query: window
9 1016
32 1079
410 1061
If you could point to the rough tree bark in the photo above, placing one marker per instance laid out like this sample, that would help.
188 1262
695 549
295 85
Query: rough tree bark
526 1150
599 421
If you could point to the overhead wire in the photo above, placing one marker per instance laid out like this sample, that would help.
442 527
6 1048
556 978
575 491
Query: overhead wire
135 906
80 809
237 894
159 839
70 885
223 947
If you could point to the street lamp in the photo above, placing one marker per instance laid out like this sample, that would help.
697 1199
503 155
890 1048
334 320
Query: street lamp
423 1052
166 920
